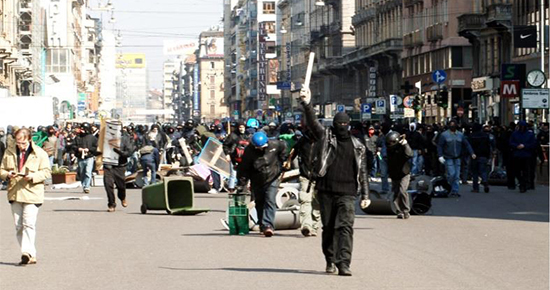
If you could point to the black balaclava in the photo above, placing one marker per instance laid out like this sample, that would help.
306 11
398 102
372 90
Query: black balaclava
341 132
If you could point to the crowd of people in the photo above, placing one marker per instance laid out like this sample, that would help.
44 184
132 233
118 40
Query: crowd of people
335 164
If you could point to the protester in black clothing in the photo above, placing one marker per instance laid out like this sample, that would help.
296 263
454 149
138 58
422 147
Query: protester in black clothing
310 216
417 144
262 164
85 151
340 164
430 158
483 147
233 147
115 174
508 157
399 170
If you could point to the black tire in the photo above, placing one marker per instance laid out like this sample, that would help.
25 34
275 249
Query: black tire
143 209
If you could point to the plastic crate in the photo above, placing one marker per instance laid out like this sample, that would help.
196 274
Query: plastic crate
238 220
238 211
237 200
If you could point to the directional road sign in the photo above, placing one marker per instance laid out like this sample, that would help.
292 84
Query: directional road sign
439 76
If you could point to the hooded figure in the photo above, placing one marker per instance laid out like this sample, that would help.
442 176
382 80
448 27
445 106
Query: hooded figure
523 144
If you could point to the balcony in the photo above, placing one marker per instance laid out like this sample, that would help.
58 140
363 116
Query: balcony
434 32
389 46
499 15
413 39
363 15
389 5
335 27
408 3
469 25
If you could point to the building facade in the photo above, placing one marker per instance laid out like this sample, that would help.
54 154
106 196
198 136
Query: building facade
211 73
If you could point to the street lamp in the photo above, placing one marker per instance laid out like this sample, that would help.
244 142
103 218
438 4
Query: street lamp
283 30
320 3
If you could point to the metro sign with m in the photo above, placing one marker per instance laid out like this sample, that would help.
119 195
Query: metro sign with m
509 89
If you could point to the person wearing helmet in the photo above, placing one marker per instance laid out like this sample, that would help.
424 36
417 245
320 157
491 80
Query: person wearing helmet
399 170
449 149
340 167
262 163
86 149
252 126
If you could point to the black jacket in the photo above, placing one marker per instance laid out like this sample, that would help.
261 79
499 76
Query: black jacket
234 146
126 150
302 149
481 144
261 166
322 134
398 161
87 141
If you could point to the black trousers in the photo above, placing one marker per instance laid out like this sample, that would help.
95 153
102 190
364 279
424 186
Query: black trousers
337 216
521 165
114 175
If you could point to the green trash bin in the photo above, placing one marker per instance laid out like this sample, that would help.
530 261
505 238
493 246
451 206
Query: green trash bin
175 195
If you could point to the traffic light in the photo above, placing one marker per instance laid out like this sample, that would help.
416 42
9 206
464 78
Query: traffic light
443 100
416 103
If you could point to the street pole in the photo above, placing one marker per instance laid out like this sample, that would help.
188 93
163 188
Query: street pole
180 95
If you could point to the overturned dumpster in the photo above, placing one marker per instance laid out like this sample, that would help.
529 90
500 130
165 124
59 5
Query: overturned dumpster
175 195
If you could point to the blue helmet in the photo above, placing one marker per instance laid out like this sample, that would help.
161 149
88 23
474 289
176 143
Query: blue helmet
252 123
259 139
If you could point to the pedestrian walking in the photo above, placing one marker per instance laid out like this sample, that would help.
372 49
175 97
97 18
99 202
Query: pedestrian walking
399 169
310 215
115 174
522 143
261 163
483 147
26 167
341 168
86 149
450 148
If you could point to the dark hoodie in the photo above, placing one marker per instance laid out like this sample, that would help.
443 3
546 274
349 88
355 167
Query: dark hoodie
525 137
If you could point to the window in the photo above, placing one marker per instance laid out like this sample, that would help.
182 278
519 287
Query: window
57 61
212 94
270 27
212 64
269 7
456 56
212 110
212 80
139 60
91 56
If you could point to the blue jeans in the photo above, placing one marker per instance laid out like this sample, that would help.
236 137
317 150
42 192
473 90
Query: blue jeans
417 162
479 169
232 177
266 205
384 174
146 165
453 173
85 169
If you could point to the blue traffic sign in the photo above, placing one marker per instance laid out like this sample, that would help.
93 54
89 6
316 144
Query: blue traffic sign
366 108
439 76
340 108
393 100
380 103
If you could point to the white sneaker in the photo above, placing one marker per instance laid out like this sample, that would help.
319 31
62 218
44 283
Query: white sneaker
213 191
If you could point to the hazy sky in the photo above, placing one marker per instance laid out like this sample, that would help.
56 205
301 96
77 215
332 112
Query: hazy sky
145 24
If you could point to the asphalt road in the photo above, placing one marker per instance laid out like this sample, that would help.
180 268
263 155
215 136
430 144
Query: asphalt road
498 240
